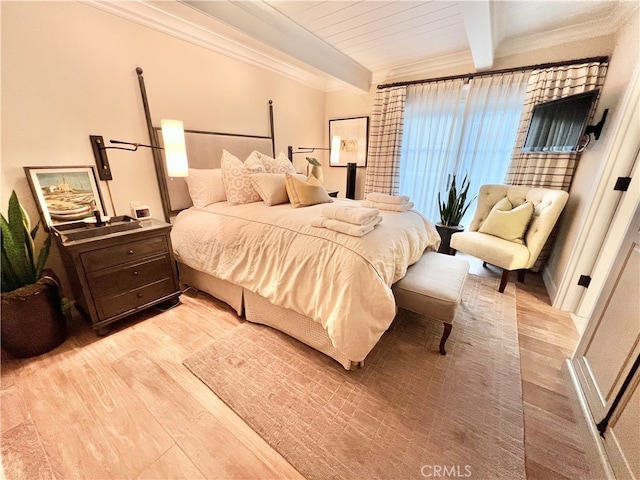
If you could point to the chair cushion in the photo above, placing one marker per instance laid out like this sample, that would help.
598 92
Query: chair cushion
506 222
433 286
497 251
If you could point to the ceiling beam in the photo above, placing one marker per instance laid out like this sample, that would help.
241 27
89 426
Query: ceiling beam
479 25
264 23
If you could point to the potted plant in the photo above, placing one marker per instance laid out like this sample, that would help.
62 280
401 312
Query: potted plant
32 319
451 212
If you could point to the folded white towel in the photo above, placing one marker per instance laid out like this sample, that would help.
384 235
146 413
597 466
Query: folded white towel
384 198
401 207
345 227
350 228
317 222
355 215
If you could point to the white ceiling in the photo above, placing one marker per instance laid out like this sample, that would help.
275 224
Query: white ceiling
332 44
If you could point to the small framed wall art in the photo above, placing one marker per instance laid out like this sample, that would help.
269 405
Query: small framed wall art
349 139
64 194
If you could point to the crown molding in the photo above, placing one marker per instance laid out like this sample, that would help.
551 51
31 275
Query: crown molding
162 20
590 29
420 68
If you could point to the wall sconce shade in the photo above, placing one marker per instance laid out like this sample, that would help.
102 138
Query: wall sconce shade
175 149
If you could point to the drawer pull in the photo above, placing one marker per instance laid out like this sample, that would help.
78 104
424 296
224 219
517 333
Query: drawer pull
139 295
135 272
130 252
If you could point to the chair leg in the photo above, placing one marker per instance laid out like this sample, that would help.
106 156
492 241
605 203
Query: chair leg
521 276
504 280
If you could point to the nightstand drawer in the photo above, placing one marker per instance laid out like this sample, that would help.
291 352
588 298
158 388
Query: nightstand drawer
111 305
120 279
123 253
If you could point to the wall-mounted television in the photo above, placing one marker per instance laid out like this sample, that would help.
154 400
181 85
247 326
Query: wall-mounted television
559 125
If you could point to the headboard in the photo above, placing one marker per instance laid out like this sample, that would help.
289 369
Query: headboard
204 150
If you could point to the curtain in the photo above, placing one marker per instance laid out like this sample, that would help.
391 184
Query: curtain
552 170
385 139
462 129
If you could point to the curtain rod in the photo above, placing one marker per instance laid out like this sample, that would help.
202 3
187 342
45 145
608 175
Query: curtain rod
496 72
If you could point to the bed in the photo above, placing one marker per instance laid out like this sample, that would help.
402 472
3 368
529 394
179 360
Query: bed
282 266
329 290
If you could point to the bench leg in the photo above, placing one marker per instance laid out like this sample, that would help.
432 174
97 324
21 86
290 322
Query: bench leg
445 335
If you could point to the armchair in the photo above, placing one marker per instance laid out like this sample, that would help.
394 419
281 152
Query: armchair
513 237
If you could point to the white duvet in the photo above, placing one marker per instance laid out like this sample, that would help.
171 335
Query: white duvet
341 281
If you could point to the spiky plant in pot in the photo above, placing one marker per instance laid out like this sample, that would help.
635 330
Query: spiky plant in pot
452 210
32 319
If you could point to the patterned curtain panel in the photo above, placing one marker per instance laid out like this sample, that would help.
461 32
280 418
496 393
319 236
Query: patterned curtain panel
385 141
552 170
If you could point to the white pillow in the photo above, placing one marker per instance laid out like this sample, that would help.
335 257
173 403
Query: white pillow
235 175
205 186
280 164
272 187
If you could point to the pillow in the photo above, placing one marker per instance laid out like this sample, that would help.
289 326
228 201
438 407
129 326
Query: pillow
272 187
280 164
205 186
504 204
508 224
304 194
237 183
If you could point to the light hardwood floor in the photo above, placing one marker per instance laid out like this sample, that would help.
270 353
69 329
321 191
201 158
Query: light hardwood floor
123 406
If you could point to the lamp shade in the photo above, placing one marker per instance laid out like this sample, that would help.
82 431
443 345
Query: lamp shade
175 150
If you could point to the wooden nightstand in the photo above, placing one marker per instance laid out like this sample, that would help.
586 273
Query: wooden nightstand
116 273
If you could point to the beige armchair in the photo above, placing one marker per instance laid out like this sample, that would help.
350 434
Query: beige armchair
510 226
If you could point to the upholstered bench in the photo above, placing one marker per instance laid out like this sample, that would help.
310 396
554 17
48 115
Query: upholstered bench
433 287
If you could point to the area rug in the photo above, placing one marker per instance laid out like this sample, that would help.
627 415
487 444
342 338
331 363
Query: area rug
408 413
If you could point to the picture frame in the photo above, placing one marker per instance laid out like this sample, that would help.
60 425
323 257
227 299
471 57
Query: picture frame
65 194
349 140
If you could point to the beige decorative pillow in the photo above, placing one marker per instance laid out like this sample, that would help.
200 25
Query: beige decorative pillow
236 177
280 164
272 187
508 224
304 194
504 204
205 186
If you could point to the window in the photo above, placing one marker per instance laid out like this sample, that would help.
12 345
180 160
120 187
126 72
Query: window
453 127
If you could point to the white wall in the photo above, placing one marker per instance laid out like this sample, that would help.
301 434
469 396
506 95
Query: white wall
68 71
624 59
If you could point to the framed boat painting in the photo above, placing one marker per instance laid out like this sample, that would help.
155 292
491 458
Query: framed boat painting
64 194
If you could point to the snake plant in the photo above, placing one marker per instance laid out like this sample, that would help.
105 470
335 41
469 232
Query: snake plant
456 205
20 266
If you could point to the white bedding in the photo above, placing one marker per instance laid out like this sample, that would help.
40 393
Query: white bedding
339 280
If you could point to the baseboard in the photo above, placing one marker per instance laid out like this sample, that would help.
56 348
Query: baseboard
599 466
550 284
579 322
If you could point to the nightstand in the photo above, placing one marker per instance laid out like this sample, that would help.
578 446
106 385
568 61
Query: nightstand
118 269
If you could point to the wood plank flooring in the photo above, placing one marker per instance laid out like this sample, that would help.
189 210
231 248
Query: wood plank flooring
123 406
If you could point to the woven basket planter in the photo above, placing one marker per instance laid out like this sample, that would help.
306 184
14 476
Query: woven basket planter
32 319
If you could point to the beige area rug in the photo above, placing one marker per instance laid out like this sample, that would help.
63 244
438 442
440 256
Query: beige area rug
409 413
